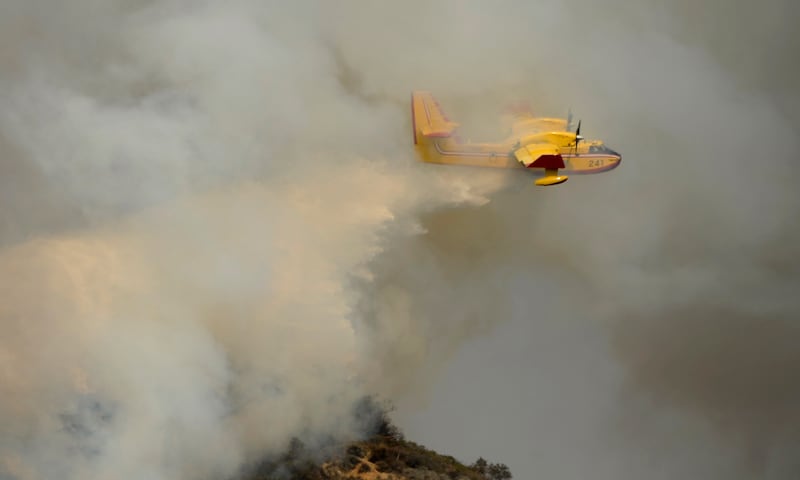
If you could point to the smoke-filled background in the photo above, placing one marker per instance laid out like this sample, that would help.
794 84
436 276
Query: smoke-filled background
215 237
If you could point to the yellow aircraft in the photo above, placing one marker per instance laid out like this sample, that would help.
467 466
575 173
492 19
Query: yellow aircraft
538 144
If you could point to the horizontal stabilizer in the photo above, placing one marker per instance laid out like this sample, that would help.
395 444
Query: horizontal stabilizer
428 116
443 130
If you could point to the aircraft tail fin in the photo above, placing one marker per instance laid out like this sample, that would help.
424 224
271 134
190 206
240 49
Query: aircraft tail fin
428 118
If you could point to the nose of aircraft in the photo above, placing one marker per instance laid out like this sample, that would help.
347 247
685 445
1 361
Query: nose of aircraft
614 161
616 157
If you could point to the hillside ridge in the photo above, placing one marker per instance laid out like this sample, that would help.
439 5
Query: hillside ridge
385 455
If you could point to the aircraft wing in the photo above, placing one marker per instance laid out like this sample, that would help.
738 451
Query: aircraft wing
542 155
429 118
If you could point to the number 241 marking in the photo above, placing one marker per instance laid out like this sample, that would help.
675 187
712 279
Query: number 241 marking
599 162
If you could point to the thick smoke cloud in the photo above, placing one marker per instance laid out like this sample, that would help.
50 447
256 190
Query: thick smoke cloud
191 191
213 225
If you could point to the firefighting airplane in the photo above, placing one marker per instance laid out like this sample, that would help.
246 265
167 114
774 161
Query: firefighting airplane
541 145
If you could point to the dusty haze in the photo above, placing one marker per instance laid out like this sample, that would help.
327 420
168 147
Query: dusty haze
215 237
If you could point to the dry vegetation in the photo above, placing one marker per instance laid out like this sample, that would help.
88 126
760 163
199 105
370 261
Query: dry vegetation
387 455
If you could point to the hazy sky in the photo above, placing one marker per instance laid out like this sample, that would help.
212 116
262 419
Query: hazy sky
650 325
215 237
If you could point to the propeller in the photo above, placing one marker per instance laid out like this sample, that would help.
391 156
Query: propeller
578 137
569 119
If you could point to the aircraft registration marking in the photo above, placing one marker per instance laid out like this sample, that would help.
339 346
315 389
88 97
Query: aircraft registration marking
597 162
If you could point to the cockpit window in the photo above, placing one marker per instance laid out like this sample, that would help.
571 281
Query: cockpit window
601 149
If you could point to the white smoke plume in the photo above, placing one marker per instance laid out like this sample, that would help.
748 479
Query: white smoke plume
190 191
210 228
